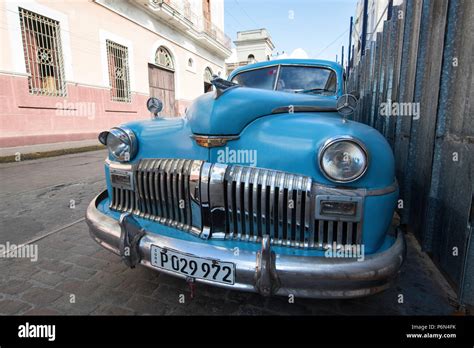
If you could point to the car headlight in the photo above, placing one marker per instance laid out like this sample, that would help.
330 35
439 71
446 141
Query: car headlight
343 159
121 142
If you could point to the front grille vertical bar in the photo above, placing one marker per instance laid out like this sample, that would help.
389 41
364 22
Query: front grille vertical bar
349 233
230 200
173 189
290 205
177 212
308 215
139 183
159 184
238 208
330 232
187 194
127 200
281 206
359 233
299 185
339 232
321 234
156 183
169 191
145 174
181 200
114 198
263 206
254 212
132 202
164 195
271 207
195 196
247 197
205 204
151 187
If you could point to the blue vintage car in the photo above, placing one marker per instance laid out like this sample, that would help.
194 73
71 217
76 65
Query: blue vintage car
265 186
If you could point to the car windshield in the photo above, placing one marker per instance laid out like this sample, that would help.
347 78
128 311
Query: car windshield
293 79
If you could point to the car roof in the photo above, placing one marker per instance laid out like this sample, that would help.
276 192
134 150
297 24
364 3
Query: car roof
291 61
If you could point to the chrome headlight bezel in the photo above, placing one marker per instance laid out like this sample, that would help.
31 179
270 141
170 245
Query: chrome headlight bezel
349 139
127 137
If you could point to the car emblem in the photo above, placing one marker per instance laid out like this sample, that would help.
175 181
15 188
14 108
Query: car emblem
213 141
346 104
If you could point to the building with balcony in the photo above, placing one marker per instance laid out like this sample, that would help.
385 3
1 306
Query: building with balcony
71 69
251 46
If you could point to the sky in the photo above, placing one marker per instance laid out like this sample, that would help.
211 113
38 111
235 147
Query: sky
319 27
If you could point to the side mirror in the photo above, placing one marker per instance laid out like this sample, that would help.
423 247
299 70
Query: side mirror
154 105
103 137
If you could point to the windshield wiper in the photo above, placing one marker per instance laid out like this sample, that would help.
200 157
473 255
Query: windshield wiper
311 90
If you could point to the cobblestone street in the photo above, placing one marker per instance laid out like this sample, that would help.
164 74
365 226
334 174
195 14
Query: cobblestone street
74 275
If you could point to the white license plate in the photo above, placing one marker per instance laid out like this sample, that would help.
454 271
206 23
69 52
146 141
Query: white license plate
193 266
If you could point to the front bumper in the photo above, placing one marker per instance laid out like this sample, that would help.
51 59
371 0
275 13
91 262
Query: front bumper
263 271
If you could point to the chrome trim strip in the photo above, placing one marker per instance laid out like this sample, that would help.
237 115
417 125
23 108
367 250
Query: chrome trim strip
383 191
205 208
216 199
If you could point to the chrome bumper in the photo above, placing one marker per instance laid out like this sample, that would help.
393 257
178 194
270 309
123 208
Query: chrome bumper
263 271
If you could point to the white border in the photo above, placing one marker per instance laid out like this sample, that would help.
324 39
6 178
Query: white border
16 40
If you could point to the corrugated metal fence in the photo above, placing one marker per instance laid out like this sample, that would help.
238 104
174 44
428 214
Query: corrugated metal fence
416 86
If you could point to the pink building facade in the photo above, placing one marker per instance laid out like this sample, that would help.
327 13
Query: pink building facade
71 70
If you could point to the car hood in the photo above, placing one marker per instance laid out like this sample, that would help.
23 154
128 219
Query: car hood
233 110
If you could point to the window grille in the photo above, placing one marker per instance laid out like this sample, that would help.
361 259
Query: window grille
163 58
43 54
117 56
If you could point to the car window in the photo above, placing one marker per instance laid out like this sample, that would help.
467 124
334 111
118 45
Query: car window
295 79
258 78
306 79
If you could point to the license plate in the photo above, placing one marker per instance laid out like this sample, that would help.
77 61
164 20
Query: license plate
121 179
193 266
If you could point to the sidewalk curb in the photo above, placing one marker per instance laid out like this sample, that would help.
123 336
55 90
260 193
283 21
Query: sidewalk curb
52 153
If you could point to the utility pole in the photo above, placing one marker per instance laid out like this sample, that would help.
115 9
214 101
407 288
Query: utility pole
349 47
389 10
342 56
364 27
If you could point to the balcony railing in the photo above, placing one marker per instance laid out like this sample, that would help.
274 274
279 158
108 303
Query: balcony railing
182 10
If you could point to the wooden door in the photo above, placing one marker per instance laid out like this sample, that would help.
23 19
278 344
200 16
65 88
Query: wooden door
161 83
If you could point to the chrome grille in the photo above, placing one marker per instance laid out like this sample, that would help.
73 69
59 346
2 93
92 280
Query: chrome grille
234 203
123 200
260 201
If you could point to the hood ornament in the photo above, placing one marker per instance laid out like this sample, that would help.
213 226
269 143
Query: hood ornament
213 140
222 85
346 105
